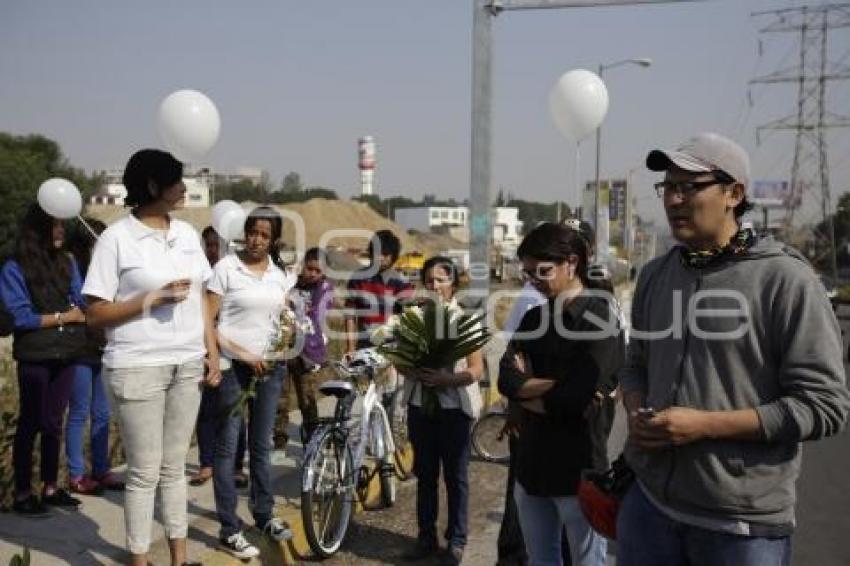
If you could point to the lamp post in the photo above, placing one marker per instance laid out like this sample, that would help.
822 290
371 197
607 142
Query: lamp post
602 247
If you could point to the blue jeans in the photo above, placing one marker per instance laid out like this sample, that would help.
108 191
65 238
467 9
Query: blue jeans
261 416
647 537
88 398
205 429
441 439
543 519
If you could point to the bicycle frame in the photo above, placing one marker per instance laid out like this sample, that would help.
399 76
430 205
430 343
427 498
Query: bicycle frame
384 444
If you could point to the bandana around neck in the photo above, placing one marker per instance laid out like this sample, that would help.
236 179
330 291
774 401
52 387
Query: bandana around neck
740 244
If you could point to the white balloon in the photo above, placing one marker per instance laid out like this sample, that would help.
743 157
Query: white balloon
60 198
188 124
228 220
578 103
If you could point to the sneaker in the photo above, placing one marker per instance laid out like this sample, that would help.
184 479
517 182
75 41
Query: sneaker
277 529
110 481
84 485
238 546
60 498
31 507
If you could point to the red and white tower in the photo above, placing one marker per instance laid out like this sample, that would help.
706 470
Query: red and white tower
366 163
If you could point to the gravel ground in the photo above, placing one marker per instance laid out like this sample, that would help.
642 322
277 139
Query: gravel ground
380 537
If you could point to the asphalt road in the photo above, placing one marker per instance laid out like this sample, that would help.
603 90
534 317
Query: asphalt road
823 492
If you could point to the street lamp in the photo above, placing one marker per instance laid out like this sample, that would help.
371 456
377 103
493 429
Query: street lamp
602 247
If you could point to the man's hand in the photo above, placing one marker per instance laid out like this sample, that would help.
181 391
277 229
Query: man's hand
671 427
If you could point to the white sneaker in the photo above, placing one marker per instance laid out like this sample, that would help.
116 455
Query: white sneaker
238 546
277 529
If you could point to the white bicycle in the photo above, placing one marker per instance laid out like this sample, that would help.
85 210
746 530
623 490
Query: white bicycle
345 452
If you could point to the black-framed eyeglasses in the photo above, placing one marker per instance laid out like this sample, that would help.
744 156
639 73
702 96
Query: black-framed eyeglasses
543 271
689 188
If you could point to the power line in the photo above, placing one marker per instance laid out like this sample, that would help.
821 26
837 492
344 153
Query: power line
811 120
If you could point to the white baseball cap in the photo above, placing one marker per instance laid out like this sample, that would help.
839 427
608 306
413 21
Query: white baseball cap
704 153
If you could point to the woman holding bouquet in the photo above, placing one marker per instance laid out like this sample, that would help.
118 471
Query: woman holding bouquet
248 293
561 355
441 407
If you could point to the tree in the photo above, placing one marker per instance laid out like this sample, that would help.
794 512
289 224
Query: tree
291 183
26 162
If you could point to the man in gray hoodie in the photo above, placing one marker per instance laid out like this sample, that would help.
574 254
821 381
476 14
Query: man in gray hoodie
735 359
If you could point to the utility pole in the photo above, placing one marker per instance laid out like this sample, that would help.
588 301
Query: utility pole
811 120
484 14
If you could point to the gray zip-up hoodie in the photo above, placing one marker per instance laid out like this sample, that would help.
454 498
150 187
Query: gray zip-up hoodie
772 344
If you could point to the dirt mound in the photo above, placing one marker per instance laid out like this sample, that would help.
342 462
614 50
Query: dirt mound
317 217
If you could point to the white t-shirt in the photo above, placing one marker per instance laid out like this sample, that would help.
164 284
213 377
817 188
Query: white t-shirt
251 302
130 259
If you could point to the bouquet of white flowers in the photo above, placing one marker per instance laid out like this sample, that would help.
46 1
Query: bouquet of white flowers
286 329
433 335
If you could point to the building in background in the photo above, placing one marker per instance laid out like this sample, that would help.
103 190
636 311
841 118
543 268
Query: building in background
618 194
113 192
366 164
454 220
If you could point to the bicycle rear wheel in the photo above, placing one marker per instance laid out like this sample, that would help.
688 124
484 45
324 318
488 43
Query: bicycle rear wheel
326 505
489 439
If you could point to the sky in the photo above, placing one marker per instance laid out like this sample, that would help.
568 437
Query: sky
297 82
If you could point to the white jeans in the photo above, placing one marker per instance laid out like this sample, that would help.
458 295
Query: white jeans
544 518
156 409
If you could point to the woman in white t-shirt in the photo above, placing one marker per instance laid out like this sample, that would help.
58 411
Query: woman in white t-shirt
145 287
247 292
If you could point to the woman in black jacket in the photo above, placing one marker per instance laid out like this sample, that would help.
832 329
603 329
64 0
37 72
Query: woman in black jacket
562 360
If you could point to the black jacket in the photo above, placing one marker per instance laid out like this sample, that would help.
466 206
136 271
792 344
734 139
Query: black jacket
554 448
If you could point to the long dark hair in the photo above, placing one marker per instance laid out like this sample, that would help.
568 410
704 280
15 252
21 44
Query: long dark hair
80 242
274 218
46 269
556 243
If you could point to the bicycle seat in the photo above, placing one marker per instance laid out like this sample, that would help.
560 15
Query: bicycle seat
338 389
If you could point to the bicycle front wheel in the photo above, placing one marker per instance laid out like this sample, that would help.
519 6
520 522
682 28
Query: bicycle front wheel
489 439
326 502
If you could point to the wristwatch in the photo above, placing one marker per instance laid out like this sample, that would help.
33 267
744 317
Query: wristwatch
59 322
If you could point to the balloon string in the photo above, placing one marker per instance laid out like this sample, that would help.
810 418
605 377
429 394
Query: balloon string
88 227
578 184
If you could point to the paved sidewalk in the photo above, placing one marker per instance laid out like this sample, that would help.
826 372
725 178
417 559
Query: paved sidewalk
95 533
